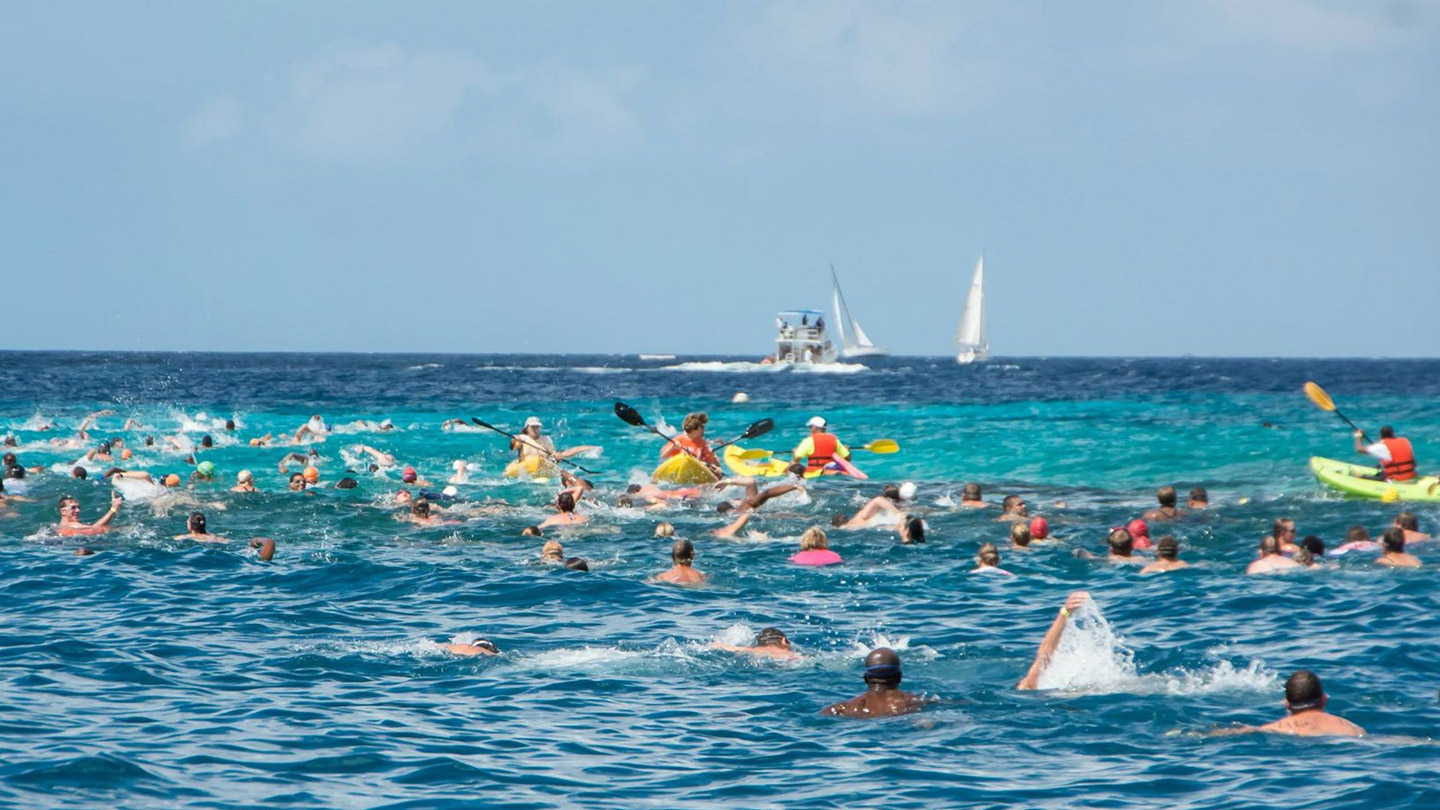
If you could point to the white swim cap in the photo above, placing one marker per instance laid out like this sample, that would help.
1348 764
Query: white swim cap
907 491
816 421
533 421
245 475
449 491
459 464
740 396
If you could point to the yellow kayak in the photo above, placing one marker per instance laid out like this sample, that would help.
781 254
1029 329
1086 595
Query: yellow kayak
760 468
536 468
683 468
1355 479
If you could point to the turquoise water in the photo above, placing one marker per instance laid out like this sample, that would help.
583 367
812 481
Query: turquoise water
161 673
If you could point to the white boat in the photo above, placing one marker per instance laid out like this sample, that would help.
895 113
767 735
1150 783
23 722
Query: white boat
853 340
803 338
970 336
657 357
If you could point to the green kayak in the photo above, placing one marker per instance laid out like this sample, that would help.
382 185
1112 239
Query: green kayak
1352 479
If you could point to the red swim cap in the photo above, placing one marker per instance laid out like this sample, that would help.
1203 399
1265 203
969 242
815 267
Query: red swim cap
408 475
1138 528
1039 529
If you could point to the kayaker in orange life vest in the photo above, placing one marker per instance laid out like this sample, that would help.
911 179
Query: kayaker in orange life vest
1397 457
821 449
693 441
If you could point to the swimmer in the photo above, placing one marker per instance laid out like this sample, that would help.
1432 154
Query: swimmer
912 530
1019 535
70 525
297 482
1357 538
244 482
1283 530
420 513
1121 548
882 697
462 472
315 428
565 514
264 548
347 483
815 549
1393 543
532 531
195 530
171 481
79 472
100 453
664 529
552 551
262 441
307 459
577 564
204 471
1305 700
410 476
1013 509
1271 560
1140 534
770 643
1051 641
1199 499
877 512
1167 557
1409 522
311 475
381 457
479 646
1167 511
1040 530
971 498
682 570
987 561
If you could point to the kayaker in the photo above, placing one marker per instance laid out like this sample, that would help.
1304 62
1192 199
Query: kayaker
1396 456
820 448
692 441
530 443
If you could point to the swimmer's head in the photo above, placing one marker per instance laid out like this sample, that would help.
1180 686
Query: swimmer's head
69 503
882 668
532 531
682 551
1166 496
1314 545
1014 504
9 459
724 507
347 483
1269 546
79 472
486 645
1393 540
814 538
1039 529
206 441
206 469
104 448
420 508
1408 521
149 441
311 475
297 482
229 425
989 555
409 476
196 523
664 529
1020 534
908 490
172 480
1199 496
1138 528
632 489
15 471
796 468
624 502
839 519
1121 543
891 492
914 529
772 637
577 564
1167 548
565 502
971 492
245 477
1303 692
552 550
1357 534
126 454
459 465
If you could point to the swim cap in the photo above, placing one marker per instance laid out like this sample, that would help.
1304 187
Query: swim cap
386 422
450 491
205 468
907 491
126 454
816 421
172 480
1138 528
1039 529
533 421
311 475
740 397
408 475
244 475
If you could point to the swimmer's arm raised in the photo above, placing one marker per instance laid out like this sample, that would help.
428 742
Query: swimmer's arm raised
1051 641
115 501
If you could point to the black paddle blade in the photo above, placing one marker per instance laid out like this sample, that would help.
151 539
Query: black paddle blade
758 429
482 423
629 415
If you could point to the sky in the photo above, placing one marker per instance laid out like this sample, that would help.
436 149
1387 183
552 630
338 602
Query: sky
1224 178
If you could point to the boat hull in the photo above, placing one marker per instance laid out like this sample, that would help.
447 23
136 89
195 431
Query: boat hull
1351 479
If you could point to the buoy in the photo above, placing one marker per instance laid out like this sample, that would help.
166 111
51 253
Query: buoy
1390 495
740 397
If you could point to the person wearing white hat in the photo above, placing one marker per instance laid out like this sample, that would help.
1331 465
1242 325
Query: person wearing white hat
531 443
820 449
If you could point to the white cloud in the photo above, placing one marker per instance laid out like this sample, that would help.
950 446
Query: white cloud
216 121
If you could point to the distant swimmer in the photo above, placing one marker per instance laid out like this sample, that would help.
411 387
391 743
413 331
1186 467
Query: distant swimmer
692 441
423 513
1020 536
820 449
1312 551
1051 642
314 429
1199 499
244 482
879 511
1393 544
987 561
883 696
1121 547
101 452
311 475
745 507
1140 534
479 646
552 551
566 514
1409 522
815 549
1014 508
1357 538
1040 530
1271 560
912 530
1284 533
204 471
296 483
769 643
380 457
682 570
1167 557
1305 699
1396 456
576 564
70 525
971 497
1167 509
195 530
307 459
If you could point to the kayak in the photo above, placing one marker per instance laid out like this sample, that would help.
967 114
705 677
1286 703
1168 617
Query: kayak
536 468
773 467
1352 479
683 468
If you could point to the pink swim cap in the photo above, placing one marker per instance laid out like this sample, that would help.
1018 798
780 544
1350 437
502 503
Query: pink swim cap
408 475
1039 529
1138 528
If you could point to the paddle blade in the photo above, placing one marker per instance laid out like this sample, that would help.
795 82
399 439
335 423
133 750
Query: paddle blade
883 446
758 429
482 423
755 455
629 415
1318 396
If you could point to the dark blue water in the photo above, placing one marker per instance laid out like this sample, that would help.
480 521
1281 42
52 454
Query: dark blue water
159 672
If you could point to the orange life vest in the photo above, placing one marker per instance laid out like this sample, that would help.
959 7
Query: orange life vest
825 444
699 449
1401 466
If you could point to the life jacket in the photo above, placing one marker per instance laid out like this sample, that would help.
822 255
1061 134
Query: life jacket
684 444
1401 466
825 444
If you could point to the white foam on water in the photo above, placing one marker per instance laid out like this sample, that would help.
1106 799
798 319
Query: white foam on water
423 366
716 366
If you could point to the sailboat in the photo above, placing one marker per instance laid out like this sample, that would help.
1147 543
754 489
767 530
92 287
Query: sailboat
970 336
853 339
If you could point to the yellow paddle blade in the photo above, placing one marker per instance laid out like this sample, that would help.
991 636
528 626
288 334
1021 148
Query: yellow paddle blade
1318 396
755 455
883 446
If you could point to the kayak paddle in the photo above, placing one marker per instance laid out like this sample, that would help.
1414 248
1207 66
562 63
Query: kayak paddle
879 446
1323 401
756 429
482 423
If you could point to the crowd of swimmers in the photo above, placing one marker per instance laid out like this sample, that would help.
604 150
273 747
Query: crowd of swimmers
894 508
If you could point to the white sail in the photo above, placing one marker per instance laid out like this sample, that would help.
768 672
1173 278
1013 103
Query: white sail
970 335
853 340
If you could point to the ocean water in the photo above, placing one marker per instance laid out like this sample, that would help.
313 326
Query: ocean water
162 673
